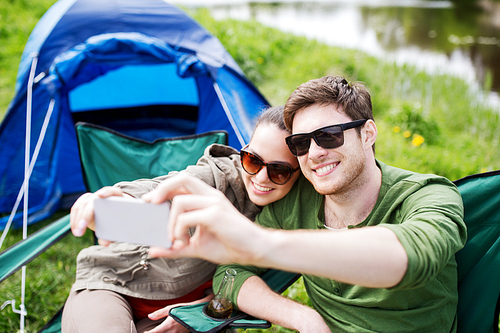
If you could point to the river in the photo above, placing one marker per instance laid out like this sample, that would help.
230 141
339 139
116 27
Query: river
459 37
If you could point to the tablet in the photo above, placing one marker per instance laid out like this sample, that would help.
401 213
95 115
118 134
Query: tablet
123 219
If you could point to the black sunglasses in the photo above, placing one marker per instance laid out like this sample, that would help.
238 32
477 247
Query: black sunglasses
278 173
328 137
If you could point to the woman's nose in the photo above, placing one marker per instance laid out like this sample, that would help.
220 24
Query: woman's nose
261 176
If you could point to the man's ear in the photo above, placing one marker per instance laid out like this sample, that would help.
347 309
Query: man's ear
370 133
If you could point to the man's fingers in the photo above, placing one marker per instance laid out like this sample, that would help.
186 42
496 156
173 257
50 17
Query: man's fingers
179 249
184 204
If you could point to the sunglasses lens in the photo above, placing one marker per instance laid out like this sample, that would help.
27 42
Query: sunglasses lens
250 163
298 144
330 138
279 174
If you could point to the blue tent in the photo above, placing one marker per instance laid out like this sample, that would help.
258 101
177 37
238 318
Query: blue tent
142 68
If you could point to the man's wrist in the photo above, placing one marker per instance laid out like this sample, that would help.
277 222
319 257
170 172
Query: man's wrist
272 244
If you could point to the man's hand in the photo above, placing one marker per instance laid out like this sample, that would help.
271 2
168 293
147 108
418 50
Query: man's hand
82 211
223 235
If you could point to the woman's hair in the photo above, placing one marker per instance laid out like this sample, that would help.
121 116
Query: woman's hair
272 115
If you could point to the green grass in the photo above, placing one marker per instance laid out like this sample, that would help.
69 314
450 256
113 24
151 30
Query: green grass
49 278
17 20
460 132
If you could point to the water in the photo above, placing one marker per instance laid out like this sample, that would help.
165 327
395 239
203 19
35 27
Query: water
435 36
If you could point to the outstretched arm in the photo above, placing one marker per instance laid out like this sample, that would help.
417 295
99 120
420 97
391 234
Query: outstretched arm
371 256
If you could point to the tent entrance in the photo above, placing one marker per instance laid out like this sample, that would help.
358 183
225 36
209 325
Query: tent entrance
145 101
145 122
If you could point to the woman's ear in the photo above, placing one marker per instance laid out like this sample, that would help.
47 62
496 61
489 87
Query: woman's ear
370 134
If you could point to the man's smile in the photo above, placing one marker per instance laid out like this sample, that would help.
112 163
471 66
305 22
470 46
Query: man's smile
325 169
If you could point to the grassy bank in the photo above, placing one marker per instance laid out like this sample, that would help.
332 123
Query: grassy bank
430 124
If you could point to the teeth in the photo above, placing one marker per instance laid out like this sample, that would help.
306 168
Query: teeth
261 188
327 168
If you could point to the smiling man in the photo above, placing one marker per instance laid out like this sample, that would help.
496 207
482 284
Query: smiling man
392 233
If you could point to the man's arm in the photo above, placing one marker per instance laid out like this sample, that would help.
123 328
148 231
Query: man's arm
371 256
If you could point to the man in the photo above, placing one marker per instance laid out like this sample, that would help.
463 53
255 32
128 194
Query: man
386 265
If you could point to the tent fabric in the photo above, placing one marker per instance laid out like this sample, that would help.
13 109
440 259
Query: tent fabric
142 68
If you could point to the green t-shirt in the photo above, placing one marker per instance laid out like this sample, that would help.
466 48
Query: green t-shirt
426 214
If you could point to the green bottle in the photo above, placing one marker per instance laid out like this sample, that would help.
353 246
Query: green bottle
220 306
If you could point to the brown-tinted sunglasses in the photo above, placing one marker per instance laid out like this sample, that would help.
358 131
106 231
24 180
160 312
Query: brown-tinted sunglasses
278 173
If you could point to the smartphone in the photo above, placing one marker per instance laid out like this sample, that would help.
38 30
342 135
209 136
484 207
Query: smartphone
131 220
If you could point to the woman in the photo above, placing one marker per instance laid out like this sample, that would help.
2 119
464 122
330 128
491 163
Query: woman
119 288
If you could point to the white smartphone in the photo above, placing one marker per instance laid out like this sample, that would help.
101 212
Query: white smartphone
131 220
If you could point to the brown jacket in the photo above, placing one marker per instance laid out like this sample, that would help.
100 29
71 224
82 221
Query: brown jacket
127 269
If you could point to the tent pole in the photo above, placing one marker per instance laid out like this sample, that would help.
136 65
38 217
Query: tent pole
229 115
38 146
26 180
29 166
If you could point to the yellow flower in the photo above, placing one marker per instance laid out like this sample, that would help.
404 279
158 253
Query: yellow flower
260 60
417 140
396 129
406 134
483 170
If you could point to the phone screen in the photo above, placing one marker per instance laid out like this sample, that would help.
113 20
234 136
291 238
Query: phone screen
130 220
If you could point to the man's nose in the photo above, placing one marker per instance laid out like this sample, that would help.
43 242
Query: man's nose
315 150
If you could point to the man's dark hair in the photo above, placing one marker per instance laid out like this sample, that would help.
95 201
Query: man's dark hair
353 99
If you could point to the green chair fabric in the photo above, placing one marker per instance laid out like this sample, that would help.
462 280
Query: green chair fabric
479 261
193 317
25 251
109 157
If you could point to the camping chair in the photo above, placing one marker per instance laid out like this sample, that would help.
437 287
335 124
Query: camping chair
109 157
100 149
99 146
479 261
